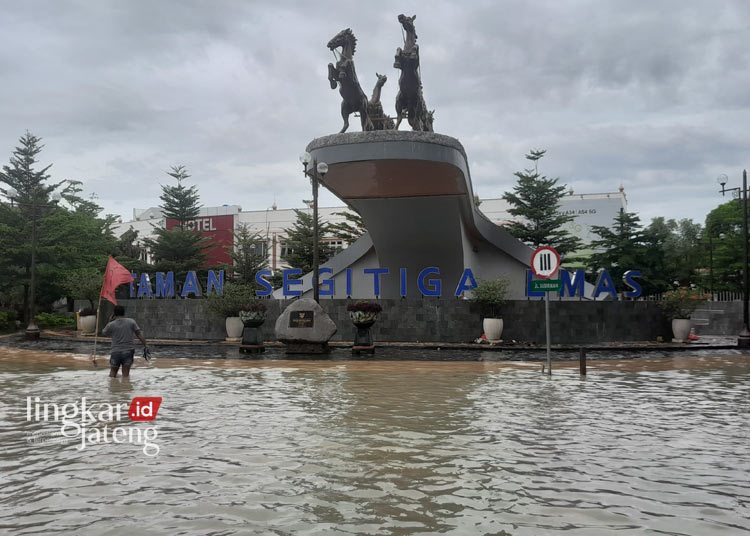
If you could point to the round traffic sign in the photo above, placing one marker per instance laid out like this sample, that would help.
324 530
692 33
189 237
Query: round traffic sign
545 262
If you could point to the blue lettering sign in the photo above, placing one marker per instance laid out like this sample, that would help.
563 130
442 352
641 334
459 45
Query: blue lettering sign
132 284
462 287
327 286
165 285
627 277
191 285
376 273
144 289
403 282
436 285
289 282
575 286
214 283
604 283
267 288
348 282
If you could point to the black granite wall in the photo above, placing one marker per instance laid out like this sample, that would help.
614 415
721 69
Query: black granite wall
429 320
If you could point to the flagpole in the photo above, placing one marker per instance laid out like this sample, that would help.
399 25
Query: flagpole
96 328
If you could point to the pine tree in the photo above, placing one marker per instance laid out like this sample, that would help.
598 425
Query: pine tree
299 241
247 256
180 249
180 202
30 186
68 238
350 230
536 201
620 248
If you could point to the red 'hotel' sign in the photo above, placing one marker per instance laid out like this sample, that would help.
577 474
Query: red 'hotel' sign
218 229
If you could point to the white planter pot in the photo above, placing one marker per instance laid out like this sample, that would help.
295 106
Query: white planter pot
493 328
234 327
680 329
87 323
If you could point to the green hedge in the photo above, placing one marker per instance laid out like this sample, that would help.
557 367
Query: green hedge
51 320
8 320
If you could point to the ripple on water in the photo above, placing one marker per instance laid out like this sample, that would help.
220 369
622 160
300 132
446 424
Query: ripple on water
388 448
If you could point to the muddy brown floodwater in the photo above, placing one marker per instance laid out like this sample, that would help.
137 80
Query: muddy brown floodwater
643 446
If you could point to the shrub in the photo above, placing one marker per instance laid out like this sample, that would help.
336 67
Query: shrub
255 307
84 283
490 294
8 320
364 306
51 320
681 302
235 298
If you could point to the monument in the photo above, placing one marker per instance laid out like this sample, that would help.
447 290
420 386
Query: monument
412 189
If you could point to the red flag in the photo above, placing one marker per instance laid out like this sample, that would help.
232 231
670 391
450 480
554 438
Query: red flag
115 276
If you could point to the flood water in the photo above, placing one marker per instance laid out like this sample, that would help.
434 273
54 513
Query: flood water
645 446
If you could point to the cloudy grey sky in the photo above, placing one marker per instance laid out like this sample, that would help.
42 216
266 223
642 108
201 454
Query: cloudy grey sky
651 95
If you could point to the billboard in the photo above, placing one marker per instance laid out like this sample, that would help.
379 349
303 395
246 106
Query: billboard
219 230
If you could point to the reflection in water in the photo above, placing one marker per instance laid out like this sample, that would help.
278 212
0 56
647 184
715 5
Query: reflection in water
294 447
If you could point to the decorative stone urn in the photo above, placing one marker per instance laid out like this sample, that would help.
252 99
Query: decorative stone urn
363 315
681 329
234 327
363 319
252 338
252 319
493 329
87 323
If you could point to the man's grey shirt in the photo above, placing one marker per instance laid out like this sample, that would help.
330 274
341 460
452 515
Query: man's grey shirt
122 331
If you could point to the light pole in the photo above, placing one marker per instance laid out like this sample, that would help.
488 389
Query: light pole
743 341
317 171
32 330
711 259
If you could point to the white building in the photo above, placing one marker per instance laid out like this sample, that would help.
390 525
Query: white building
588 210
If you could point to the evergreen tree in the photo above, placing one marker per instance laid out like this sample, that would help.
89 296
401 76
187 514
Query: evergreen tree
299 241
725 225
130 253
31 187
621 248
180 202
178 250
678 245
350 230
536 201
248 256
70 235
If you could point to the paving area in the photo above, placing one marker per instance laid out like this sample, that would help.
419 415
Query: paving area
69 342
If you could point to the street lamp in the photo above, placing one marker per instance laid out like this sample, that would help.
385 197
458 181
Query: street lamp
32 330
743 341
317 171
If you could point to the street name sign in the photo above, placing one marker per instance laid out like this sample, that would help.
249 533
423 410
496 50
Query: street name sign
546 285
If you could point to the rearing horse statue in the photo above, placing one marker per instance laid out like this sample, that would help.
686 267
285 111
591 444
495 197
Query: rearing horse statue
410 101
343 74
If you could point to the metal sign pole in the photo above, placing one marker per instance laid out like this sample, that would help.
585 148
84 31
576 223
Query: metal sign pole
546 322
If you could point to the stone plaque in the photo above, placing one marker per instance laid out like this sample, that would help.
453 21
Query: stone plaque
301 319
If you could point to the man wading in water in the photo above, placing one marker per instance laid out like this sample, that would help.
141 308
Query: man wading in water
123 349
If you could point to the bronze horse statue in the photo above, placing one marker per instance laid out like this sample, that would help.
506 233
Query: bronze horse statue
343 74
375 109
410 101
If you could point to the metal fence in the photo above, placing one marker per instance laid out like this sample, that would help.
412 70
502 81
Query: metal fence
716 296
